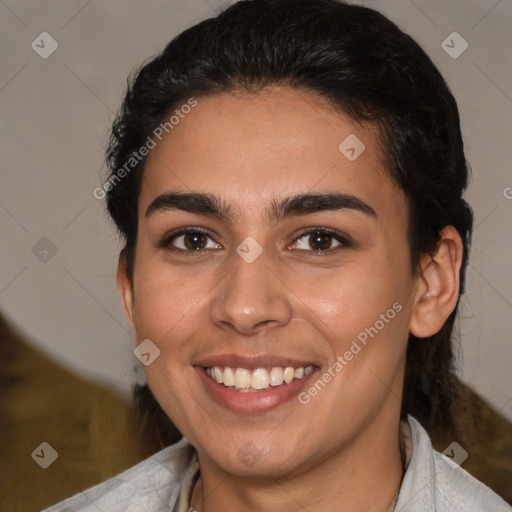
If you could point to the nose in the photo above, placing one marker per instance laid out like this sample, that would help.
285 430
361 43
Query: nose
251 297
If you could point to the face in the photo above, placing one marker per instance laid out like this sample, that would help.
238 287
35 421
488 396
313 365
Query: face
256 288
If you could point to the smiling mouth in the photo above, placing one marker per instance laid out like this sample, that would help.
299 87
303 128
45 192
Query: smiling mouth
259 379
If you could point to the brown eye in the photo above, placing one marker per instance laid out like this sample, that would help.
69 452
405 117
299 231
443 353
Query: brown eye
321 241
189 241
194 241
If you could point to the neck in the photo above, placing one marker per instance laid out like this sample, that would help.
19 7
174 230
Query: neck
363 476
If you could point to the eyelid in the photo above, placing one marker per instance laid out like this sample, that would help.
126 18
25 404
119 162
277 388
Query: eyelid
344 240
166 240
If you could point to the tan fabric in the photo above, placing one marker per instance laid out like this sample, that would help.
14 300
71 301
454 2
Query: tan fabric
487 437
89 426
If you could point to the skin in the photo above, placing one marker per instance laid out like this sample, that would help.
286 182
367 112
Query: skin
340 451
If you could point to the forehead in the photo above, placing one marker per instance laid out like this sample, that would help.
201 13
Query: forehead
250 149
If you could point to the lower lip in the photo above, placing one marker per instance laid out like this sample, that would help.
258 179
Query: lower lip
251 402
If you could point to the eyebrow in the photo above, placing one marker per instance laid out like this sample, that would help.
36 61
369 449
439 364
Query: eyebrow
300 204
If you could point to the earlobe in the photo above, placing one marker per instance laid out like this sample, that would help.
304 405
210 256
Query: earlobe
438 285
124 287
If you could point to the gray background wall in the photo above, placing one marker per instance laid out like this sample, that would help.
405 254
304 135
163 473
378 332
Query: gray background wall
55 114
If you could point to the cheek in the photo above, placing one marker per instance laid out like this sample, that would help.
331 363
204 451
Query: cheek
362 312
168 303
349 300
364 318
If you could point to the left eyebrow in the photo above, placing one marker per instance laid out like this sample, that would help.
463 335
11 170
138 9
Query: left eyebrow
300 204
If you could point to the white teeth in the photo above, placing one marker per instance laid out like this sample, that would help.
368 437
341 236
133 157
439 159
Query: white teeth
229 377
289 374
260 379
218 375
276 376
242 378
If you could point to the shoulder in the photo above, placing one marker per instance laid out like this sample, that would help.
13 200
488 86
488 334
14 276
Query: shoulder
433 482
153 485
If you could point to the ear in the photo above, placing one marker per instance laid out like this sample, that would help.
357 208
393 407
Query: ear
124 287
438 284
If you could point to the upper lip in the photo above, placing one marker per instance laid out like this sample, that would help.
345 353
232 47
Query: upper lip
251 362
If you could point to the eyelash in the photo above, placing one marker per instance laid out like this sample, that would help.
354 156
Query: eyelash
344 241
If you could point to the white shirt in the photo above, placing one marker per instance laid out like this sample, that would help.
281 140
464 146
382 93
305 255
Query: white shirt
162 483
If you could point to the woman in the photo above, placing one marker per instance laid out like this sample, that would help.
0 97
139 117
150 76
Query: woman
288 179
